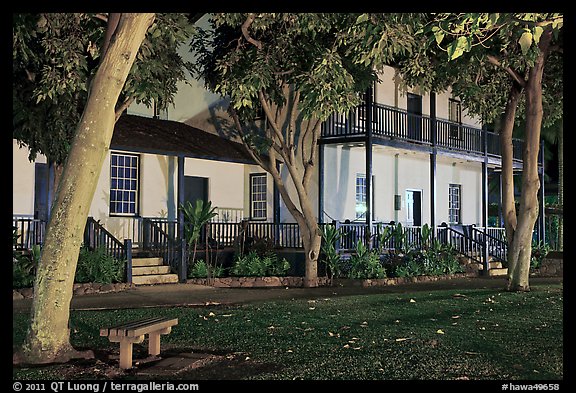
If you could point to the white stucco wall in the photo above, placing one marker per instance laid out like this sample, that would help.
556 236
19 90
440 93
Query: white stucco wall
23 173
410 171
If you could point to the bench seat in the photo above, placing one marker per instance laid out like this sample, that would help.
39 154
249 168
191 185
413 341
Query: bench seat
133 332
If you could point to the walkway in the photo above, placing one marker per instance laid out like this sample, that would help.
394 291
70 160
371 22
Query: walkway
171 295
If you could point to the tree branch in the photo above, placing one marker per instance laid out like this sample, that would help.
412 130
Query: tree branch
517 77
123 107
103 17
246 33
113 19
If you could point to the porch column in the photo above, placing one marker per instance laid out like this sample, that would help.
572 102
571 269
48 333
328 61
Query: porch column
433 164
182 268
541 213
321 184
369 105
276 199
500 215
485 199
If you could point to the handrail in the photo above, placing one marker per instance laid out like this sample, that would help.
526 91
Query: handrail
31 232
496 247
160 243
465 245
95 235
395 123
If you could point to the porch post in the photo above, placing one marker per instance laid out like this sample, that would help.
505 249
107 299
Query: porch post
321 183
485 200
500 215
541 213
182 268
433 164
369 105
276 207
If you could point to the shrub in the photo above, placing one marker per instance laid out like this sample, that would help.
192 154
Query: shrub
252 264
330 235
23 266
200 270
539 251
99 267
365 263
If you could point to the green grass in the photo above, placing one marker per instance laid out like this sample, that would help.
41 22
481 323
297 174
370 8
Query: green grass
465 334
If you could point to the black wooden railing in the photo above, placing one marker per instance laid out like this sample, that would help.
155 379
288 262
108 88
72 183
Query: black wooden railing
96 236
393 123
462 241
496 247
31 232
161 238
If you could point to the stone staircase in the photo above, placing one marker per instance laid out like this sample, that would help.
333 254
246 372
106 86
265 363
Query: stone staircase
496 268
151 270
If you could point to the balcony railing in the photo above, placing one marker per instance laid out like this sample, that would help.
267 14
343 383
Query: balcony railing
393 123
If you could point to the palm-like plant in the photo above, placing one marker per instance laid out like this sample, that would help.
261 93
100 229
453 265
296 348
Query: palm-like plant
195 217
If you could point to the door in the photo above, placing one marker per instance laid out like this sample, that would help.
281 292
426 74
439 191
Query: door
413 208
195 188
414 117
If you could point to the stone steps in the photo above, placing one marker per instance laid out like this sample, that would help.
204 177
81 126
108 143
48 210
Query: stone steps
151 270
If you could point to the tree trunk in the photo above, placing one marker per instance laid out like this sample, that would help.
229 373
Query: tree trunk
48 337
507 151
521 246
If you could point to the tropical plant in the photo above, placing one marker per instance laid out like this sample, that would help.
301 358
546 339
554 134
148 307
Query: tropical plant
539 251
330 235
99 267
365 263
195 217
252 264
201 269
23 265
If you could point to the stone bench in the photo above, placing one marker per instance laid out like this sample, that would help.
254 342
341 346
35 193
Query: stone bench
133 332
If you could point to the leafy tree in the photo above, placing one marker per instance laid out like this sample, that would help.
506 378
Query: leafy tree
296 70
48 337
54 57
496 64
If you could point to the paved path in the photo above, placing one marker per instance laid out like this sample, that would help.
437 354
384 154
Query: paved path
198 295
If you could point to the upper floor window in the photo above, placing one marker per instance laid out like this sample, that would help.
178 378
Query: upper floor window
455 116
258 203
124 184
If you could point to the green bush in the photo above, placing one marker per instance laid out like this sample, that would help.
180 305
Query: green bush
365 264
437 259
96 266
200 270
252 264
539 251
330 235
23 266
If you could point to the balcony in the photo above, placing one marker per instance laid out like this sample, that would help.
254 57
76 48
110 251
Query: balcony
397 127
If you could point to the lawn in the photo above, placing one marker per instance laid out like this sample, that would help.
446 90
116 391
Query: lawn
466 334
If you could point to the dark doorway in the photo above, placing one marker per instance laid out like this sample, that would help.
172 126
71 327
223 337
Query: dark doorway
195 188
414 208
414 117
41 191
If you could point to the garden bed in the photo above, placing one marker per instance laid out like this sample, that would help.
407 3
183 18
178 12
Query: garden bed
298 282
79 289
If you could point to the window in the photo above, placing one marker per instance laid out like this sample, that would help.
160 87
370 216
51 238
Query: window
360 195
258 205
454 203
124 184
455 116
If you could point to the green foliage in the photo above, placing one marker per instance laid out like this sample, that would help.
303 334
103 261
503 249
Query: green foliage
330 235
195 217
99 267
252 264
438 259
54 55
539 251
23 265
201 270
365 263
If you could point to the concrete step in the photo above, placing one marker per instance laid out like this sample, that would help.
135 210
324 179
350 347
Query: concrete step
495 264
155 279
155 261
147 270
498 272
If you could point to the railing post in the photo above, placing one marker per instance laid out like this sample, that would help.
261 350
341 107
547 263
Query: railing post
128 253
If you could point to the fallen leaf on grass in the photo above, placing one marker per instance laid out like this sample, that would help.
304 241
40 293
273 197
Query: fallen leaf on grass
211 314
458 295
290 351
455 316
471 353
346 346
402 339
226 315
412 301
440 331
333 334
311 308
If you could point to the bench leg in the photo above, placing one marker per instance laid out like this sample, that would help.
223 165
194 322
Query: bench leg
154 343
125 354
